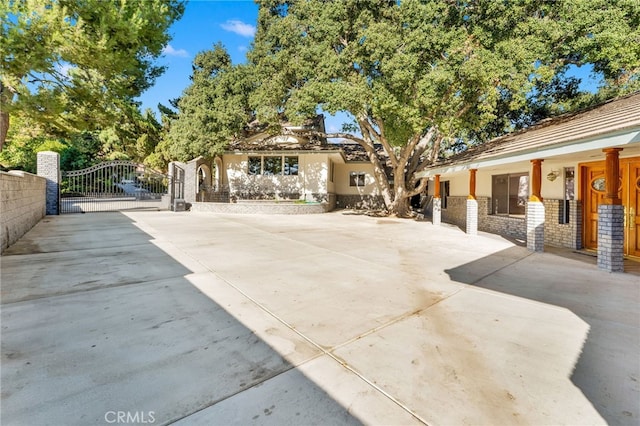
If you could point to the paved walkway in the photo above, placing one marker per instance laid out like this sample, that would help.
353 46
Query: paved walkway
187 318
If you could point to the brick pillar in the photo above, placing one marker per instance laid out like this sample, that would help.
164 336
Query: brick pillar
436 216
49 168
535 226
611 237
472 216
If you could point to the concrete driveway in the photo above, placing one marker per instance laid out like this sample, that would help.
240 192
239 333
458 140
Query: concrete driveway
188 318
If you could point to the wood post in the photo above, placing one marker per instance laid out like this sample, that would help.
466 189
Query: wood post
472 184
436 190
612 176
536 181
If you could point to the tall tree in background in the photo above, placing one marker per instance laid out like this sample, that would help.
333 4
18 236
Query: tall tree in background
78 65
418 75
214 108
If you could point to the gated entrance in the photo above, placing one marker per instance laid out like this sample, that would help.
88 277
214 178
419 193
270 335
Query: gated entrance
113 186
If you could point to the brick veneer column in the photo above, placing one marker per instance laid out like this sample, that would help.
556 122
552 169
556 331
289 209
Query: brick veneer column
436 217
472 205
611 237
535 226
48 166
472 217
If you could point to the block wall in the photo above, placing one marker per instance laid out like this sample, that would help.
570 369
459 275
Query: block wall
22 204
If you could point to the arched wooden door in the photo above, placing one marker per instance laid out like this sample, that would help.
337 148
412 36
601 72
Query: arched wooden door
593 191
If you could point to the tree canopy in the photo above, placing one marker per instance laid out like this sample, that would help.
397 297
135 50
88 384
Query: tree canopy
214 108
419 75
78 65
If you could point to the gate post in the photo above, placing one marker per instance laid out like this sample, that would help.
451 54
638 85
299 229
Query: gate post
49 168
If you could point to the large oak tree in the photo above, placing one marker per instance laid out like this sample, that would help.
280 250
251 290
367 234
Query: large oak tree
420 75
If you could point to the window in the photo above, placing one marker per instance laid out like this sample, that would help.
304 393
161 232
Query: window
255 165
272 166
444 193
290 166
356 179
509 194
332 167
569 194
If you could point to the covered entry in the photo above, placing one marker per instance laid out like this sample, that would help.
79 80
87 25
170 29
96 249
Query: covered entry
593 190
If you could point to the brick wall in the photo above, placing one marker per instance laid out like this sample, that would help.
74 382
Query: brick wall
22 204
366 202
563 234
455 212
556 234
264 207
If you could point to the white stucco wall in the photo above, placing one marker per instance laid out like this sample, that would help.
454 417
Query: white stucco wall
342 172
311 178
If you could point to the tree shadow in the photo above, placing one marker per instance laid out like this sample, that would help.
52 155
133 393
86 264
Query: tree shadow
98 320
608 369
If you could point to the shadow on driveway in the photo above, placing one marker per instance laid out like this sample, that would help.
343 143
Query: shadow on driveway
97 320
608 369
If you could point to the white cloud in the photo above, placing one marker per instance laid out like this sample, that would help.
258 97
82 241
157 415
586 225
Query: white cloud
242 48
239 27
169 50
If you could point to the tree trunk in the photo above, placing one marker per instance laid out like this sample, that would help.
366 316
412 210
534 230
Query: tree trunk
400 205
4 127
5 98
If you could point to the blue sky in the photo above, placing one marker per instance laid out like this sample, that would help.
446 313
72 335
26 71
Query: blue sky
231 22
204 23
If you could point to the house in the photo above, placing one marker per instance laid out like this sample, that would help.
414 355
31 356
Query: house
294 166
571 181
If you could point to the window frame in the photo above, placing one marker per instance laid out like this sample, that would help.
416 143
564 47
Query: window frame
495 199
263 164
286 168
249 169
445 191
355 178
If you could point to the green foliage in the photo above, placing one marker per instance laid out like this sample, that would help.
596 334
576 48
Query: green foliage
78 65
213 109
420 75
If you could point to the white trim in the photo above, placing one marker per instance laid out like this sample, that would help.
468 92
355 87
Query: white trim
575 147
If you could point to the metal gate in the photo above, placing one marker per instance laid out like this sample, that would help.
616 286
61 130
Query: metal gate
113 186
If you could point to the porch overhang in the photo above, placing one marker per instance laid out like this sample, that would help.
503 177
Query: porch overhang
628 139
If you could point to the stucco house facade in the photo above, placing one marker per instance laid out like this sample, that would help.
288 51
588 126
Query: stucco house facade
571 181
293 166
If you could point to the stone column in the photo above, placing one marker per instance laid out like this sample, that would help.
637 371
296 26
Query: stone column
472 205
535 210
611 217
49 168
191 181
436 217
